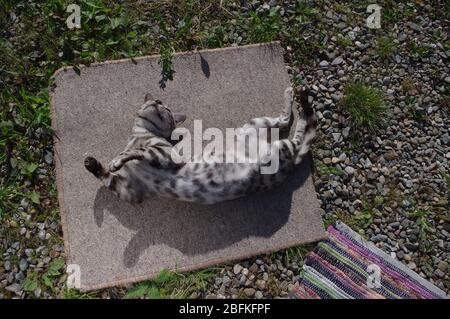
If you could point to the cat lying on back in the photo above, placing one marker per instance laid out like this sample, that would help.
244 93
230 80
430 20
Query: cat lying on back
146 167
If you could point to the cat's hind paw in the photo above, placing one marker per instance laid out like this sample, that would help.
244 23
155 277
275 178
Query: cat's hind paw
93 166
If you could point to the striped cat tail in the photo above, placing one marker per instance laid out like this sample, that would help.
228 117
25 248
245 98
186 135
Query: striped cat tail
305 130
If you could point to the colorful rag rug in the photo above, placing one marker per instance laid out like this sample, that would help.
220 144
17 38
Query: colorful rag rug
345 266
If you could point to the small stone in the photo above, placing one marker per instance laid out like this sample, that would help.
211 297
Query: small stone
412 265
41 234
37 292
28 252
259 295
16 288
7 265
23 264
260 284
337 61
324 64
48 157
24 203
415 26
254 268
350 170
408 183
237 269
443 266
401 37
226 280
249 292
336 136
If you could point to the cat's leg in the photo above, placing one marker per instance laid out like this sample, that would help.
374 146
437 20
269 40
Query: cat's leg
292 151
305 129
128 189
283 122
129 155
154 156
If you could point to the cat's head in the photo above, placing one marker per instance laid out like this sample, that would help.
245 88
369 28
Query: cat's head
157 118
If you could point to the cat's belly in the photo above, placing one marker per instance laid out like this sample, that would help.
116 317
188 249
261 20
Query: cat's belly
206 183
223 182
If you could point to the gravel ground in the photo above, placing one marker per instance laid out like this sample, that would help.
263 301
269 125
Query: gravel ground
390 186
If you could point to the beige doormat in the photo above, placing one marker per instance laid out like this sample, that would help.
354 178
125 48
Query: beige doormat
115 243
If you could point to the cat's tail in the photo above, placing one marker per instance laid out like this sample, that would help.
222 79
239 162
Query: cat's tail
305 130
96 168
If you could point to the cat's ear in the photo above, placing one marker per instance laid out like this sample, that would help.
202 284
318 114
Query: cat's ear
179 118
148 97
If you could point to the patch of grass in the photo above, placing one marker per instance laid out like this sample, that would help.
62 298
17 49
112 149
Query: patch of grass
343 41
363 219
170 284
166 50
358 222
425 227
46 281
324 169
264 26
446 10
304 12
297 253
414 113
9 197
419 50
365 106
304 50
385 47
396 11
76 294
215 38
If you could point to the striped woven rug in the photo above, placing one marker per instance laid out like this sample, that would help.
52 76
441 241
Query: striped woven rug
345 266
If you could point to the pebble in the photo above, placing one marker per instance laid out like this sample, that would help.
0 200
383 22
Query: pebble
259 295
23 264
7 265
249 292
237 269
15 288
337 61
350 170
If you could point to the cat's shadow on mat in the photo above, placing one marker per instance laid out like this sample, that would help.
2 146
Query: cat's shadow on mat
195 229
